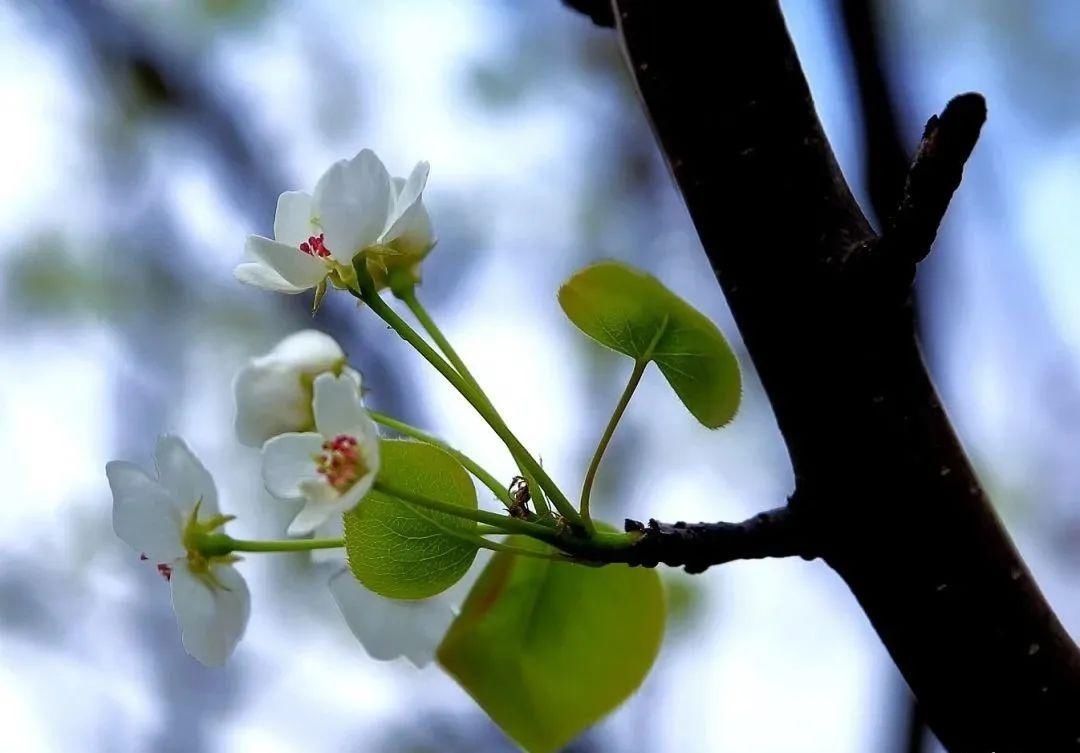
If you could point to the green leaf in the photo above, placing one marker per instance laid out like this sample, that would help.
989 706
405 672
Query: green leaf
548 648
403 551
633 313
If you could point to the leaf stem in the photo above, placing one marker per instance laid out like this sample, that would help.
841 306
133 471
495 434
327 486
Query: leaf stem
475 538
408 430
370 296
578 547
605 439
216 544
624 400
498 546
503 522
407 294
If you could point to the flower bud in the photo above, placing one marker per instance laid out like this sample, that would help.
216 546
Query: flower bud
274 391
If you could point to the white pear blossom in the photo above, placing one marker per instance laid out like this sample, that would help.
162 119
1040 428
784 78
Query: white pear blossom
274 391
356 208
330 469
391 628
161 518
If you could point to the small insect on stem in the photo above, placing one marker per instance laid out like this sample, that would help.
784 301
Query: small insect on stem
519 493
562 525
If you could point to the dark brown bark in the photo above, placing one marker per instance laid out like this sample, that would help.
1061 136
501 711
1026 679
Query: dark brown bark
698 546
885 163
886 493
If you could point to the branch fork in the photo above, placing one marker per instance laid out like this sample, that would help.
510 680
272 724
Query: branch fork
934 175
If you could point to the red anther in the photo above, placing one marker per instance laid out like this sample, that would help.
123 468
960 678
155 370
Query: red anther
164 570
315 246
340 462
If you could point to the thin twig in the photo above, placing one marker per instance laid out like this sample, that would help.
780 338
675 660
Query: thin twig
935 174
698 546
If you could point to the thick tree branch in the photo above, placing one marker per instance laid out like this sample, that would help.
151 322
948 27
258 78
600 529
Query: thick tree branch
885 166
883 487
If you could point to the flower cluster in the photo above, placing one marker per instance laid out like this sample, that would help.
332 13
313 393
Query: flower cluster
405 509
325 457
301 404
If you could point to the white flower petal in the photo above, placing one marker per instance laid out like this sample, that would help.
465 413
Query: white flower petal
389 628
354 375
273 392
269 401
295 267
309 351
338 408
352 201
323 504
410 193
396 185
259 275
288 460
368 447
356 493
311 516
292 220
145 514
411 233
349 229
212 618
185 476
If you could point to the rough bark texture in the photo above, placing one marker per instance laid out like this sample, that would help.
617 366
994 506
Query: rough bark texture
886 493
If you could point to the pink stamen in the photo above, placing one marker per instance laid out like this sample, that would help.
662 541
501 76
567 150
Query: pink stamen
315 246
340 462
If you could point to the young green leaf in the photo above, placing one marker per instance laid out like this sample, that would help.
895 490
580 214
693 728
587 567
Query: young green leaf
548 648
404 552
633 313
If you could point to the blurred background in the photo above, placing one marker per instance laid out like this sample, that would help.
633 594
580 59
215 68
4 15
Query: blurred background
145 138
